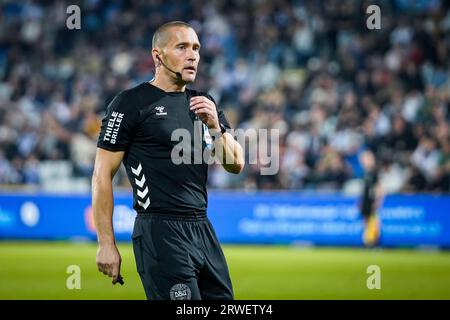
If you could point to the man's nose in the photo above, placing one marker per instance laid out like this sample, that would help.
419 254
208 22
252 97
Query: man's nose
192 55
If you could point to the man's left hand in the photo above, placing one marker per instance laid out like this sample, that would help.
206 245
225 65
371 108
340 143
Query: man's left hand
206 111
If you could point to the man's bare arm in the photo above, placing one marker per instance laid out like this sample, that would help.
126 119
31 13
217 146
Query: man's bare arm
229 153
227 150
106 165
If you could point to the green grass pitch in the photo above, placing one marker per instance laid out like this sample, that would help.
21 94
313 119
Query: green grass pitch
37 270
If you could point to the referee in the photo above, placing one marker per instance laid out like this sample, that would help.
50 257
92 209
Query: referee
178 255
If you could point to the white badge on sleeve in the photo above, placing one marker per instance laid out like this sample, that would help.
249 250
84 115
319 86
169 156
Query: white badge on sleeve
207 137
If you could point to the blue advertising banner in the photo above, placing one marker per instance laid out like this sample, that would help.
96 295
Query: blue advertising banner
328 219
239 217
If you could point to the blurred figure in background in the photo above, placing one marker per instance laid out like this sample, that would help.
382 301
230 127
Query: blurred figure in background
371 199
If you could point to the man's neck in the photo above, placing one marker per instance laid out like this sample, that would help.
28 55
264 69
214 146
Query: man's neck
168 84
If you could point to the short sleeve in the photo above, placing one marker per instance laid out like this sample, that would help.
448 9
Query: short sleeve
119 123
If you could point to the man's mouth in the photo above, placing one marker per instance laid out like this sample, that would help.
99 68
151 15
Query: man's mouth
191 69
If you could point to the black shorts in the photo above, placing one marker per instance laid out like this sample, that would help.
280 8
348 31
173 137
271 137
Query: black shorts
179 258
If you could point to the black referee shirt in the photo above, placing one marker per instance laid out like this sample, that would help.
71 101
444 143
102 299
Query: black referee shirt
369 192
140 121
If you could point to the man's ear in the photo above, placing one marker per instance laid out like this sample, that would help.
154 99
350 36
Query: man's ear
156 56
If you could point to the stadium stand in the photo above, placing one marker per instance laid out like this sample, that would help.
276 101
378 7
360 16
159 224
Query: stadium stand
311 69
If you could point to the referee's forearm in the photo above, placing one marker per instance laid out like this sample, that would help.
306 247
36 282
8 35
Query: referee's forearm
102 205
230 153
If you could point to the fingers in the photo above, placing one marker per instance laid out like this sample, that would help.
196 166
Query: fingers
206 114
109 269
200 101
104 268
115 272
204 111
108 262
199 106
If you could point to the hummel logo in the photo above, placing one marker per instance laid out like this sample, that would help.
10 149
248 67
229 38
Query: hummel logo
160 111
140 183
144 204
137 171
142 194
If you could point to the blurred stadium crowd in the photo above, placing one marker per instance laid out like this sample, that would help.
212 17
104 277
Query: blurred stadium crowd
311 69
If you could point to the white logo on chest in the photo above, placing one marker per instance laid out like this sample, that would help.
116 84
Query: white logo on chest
161 111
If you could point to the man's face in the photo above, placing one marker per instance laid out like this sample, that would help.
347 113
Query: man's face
181 53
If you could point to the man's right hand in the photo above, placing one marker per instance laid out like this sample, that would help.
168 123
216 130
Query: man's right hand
109 261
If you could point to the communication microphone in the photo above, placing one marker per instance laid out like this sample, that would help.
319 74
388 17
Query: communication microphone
178 74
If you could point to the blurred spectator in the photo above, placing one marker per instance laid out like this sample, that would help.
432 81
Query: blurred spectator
310 69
